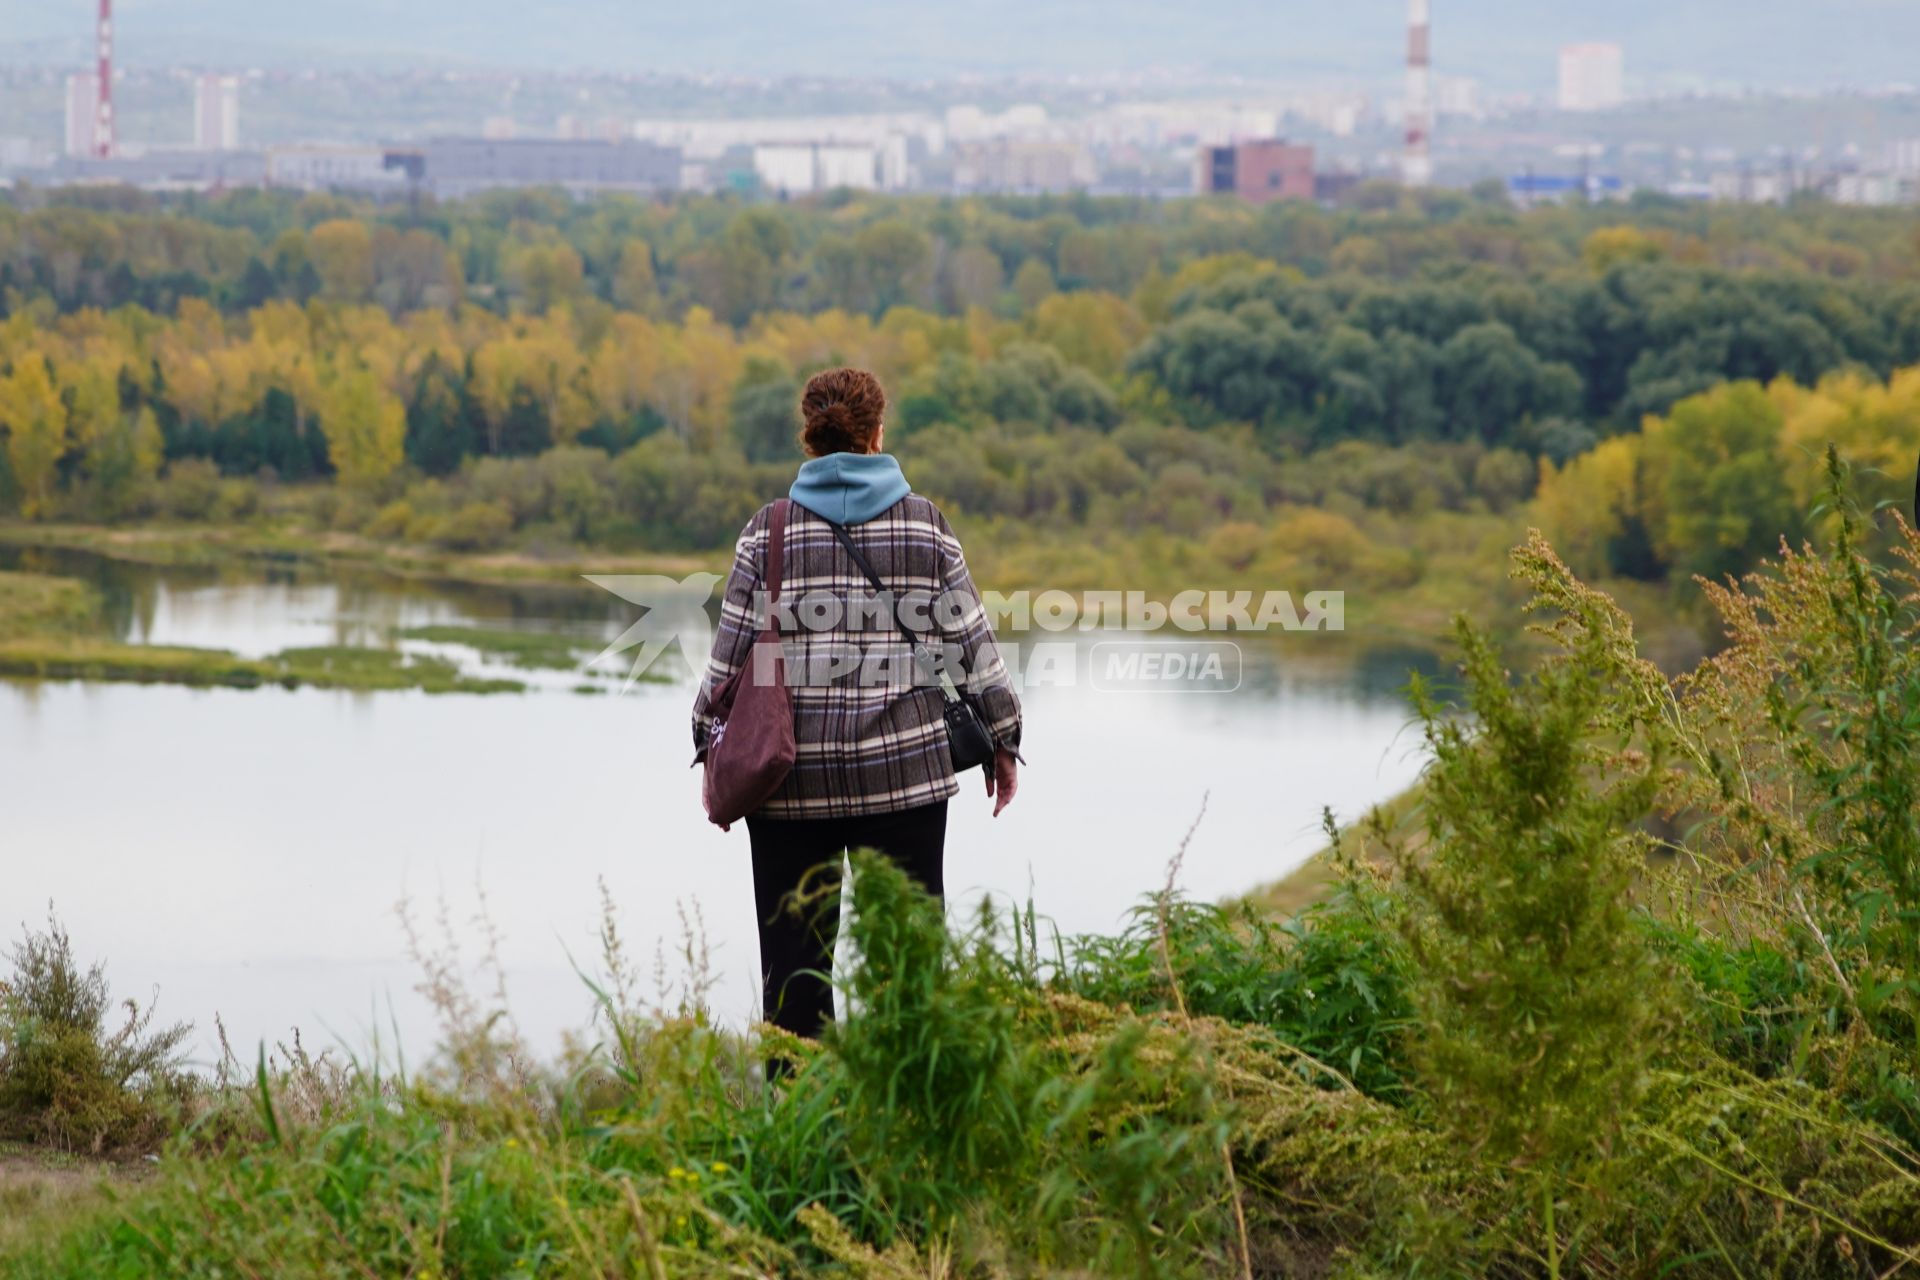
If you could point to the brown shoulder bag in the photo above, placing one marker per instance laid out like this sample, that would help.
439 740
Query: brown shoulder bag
750 748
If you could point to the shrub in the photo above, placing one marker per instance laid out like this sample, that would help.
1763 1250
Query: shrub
66 1077
190 490
393 520
1540 1003
1330 982
474 526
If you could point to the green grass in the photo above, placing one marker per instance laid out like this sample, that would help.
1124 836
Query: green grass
1121 1107
293 538
327 667
46 1193
531 650
87 658
350 667
1512 1045
49 630
33 602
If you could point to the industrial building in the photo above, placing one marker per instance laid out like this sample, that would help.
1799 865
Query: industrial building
1258 171
452 167
164 170
320 168
803 168
1529 189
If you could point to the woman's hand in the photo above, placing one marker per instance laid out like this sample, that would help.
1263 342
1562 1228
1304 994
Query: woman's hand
1003 779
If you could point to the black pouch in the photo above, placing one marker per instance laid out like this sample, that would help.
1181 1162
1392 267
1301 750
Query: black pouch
969 742
968 739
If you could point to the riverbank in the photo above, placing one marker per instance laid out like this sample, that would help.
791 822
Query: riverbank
51 629
1385 621
196 544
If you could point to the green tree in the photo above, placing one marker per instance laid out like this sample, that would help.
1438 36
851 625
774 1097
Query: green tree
1722 488
547 276
972 277
634 285
896 260
1032 283
1489 382
765 414
742 274
341 252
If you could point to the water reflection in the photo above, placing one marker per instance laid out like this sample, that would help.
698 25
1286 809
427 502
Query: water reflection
244 849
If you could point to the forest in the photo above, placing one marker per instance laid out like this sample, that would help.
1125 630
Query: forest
1385 381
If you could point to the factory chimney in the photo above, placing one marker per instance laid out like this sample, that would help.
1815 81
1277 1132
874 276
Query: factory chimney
103 119
1417 165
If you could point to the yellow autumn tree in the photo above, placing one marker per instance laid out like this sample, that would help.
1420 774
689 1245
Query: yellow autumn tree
623 369
1097 330
542 364
1590 505
826 337
1875 425
1610 247
500 369
365 426
35 422
713 361
90 386
119 451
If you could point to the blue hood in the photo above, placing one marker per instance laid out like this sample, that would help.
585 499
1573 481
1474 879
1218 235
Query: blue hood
849 488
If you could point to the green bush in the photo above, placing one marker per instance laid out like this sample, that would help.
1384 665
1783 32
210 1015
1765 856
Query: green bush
474 526
1331 982
190 490
67 1077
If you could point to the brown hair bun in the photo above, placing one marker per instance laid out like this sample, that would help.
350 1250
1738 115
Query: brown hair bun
841 409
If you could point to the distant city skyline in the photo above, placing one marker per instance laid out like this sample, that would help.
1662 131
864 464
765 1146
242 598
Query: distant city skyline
1509 44
1593 121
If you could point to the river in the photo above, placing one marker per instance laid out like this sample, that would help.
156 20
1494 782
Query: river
243 852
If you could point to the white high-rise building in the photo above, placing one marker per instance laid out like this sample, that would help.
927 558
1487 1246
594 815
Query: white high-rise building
802 168
216 113
1592 77
83 112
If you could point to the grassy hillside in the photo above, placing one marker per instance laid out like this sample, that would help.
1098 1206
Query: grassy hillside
1538 1028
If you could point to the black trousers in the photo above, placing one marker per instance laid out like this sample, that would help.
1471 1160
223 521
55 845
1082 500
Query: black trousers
796 947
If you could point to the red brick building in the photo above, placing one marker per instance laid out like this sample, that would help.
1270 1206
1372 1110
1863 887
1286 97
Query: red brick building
1257 172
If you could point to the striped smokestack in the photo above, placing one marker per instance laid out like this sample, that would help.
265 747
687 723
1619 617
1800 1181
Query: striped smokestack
1417 166
103 101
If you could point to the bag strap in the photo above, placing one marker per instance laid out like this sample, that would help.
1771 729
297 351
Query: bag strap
775 569
952 694
880 588
873 579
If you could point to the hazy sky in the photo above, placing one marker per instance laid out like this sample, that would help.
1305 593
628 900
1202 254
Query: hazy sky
1509 43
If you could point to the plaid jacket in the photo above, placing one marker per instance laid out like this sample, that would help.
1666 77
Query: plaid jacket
869 734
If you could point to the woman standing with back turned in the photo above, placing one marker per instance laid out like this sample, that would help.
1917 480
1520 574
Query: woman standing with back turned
871 760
